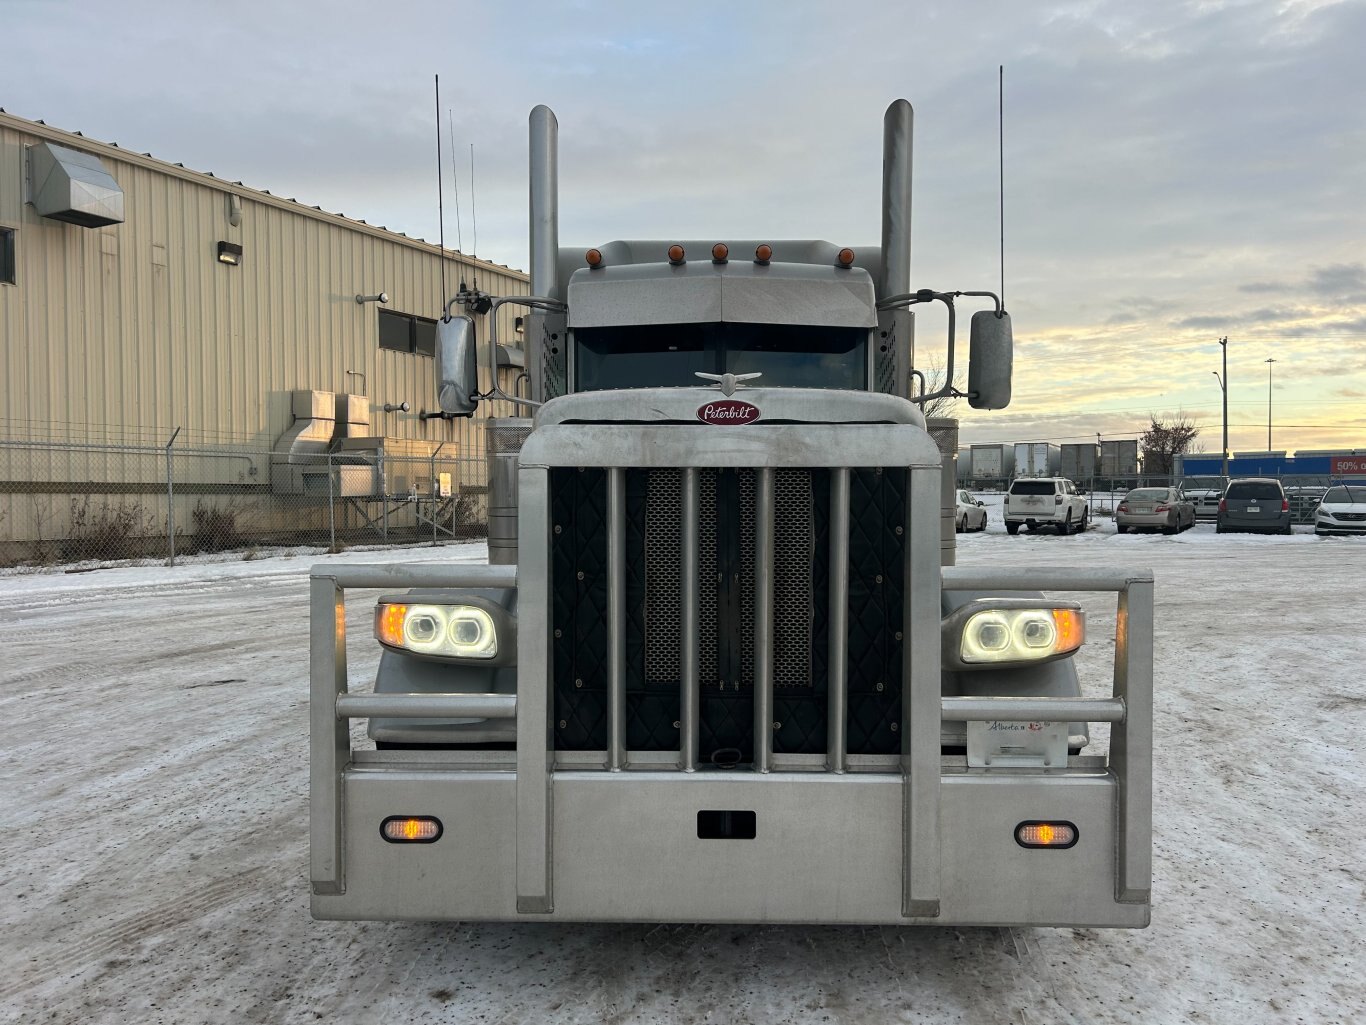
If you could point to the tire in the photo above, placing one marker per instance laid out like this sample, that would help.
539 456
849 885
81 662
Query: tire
1085 521
1065 527
963 524
1170 528
1012 528
1120 528
983 527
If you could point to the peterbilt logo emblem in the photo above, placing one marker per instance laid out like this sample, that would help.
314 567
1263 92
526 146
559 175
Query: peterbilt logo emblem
728 411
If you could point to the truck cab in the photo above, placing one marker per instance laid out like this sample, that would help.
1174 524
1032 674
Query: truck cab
720 665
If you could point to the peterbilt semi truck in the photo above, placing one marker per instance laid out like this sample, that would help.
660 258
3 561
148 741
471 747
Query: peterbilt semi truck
719 666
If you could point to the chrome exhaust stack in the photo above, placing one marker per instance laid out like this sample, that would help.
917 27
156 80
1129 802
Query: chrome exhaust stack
897 127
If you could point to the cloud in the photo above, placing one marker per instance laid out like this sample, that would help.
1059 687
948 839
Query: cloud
1345 281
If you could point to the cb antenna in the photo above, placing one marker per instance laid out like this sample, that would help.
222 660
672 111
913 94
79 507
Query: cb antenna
440 207
474 220
455 176
1001 152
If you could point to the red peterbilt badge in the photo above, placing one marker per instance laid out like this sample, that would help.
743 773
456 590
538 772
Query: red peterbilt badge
728 411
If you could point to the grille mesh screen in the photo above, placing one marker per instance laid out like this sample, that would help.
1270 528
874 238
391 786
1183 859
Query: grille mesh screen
726 566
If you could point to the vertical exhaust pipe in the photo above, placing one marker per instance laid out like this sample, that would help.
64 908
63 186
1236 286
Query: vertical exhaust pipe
545 203
897 126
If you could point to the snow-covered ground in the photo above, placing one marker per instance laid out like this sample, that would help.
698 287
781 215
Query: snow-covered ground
154 780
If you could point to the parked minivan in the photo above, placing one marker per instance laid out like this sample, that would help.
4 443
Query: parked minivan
1256 504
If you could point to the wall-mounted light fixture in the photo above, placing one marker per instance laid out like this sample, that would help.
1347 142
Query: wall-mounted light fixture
396 407
382 298
519 327
229 253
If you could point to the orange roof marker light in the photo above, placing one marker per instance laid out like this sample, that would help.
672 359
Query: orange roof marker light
676 253
720 253
593 258
845 257
763 253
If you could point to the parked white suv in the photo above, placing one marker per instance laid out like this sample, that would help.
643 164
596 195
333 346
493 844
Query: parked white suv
1036 502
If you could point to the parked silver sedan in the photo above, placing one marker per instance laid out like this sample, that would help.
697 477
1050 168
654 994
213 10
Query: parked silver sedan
1164 509
970 515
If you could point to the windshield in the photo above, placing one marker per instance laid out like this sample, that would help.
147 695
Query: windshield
669 355
1345 495
1147 495
1202 484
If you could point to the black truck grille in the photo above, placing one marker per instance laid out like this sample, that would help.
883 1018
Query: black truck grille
727 565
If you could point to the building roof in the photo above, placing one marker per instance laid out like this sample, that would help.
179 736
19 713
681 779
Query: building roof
115 151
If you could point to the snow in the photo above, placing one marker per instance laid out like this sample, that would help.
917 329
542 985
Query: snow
154 835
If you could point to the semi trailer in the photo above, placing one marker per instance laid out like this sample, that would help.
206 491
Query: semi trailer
719 666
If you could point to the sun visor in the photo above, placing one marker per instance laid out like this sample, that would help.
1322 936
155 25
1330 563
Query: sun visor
68 185
700 292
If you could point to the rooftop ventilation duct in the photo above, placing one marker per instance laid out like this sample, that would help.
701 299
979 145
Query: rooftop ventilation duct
68 185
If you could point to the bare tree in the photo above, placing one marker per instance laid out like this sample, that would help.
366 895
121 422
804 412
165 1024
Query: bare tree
1164 440
944 406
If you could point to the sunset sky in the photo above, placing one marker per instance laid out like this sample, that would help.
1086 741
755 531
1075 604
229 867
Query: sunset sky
1175 172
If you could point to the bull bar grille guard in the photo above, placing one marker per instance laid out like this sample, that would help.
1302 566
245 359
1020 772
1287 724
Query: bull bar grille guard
1129 708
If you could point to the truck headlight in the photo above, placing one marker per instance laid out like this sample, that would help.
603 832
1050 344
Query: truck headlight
449 631
998 633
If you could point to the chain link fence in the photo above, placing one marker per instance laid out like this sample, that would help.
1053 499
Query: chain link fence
76 503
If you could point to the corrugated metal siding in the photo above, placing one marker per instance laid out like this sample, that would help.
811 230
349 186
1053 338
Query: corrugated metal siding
125 333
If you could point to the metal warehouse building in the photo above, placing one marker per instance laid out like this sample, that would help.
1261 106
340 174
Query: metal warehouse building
187 354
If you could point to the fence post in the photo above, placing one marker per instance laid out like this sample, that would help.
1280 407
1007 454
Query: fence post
331 507
170 499
436 492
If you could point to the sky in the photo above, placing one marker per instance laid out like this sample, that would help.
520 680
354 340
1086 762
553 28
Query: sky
1174 172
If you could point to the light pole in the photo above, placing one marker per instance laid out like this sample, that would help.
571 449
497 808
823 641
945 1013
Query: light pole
1268 403
1223 386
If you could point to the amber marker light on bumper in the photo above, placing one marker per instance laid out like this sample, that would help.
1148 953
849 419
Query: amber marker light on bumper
411 829
1046 835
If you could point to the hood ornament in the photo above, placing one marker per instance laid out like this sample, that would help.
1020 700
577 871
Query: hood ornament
728 383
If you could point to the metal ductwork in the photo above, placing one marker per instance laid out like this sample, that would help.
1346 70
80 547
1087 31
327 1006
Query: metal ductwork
897 126
68 185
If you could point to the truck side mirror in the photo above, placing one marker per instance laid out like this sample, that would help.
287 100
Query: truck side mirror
457 384
991 358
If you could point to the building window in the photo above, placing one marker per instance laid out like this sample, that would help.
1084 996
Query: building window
6 256
402 332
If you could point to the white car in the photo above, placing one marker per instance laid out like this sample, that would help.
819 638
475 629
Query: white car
970 515
1342 510
1035 502
1204 493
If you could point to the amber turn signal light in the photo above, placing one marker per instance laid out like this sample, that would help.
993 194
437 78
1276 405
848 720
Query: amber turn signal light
845 257
763 253
1060 835
720 252
676 253
593 258
411 829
